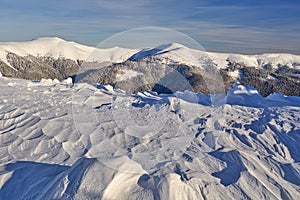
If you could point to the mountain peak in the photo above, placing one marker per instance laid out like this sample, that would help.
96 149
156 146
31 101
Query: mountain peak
49 39
159 50
170 46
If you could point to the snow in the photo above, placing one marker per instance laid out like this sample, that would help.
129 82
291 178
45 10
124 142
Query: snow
61 140
255 60
124 75
67 81
49 81
221 59
173 52
235 74
182 54
53 47
59 48
94 142
240 89
270 77
295 75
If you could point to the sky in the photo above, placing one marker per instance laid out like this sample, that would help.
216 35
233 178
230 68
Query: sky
243 26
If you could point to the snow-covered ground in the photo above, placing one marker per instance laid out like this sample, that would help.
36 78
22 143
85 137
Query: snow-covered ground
60 141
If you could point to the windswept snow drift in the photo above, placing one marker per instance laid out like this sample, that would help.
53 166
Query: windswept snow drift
87 142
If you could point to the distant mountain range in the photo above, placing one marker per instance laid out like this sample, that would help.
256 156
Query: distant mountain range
137 69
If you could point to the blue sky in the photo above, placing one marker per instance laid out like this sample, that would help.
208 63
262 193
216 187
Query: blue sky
245 26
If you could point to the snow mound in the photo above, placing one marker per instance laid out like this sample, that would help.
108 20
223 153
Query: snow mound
49 81
249 96
67 81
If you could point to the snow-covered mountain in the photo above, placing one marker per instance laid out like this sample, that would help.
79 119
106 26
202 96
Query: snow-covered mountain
56 47
58 59
182 54
48 46
87 142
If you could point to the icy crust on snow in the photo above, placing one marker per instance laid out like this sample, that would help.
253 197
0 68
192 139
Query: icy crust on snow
93 142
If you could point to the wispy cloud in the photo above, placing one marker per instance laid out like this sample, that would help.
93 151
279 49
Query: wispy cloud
245 26
247 39
122 4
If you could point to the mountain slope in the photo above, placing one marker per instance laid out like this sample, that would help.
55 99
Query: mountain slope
52 47
53 58
184 55
57 48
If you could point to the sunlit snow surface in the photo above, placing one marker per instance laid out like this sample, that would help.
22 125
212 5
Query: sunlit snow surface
60 141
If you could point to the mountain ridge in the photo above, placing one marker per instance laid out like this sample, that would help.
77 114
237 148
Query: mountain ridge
73 50
56 58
